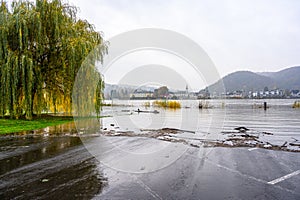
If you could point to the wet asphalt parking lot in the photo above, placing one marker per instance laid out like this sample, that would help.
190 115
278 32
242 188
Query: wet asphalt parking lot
63 168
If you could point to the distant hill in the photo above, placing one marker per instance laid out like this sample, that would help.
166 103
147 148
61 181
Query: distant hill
288 78
249 81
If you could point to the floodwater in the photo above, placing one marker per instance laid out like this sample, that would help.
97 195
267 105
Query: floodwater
280 118
49 163
61 163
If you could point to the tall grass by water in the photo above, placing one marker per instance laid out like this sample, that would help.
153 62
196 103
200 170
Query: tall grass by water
167 104
296 104
204 105
146 104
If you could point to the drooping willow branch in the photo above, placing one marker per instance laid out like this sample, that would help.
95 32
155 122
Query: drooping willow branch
42 47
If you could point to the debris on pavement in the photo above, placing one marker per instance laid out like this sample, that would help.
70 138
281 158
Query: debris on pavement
238 137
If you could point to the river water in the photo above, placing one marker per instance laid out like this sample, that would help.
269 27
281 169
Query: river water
280 118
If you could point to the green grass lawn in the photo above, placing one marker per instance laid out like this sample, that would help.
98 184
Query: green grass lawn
18 125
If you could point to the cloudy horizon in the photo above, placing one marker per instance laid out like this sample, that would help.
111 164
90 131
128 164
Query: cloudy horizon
257 36
237 35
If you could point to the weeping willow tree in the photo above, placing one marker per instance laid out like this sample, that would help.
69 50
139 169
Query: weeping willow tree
42 47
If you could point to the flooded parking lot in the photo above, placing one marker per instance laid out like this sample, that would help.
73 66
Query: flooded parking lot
48 168
63 163
68 171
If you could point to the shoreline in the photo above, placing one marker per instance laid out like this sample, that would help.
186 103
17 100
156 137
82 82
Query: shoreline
228 139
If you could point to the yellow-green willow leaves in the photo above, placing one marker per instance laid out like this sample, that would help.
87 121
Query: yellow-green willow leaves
42 47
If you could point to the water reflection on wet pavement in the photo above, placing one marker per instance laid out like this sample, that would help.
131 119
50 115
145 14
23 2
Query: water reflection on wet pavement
47 167
60 167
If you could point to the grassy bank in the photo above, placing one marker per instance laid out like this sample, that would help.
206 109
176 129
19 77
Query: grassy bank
18 125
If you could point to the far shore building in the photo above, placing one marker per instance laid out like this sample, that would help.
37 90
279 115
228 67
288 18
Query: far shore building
295 93
204 94
141 94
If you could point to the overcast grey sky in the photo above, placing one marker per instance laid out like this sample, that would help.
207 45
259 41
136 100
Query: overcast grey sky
256 35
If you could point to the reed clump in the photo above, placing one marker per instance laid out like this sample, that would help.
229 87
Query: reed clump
167 104
173 104
146 104
204 105
296 104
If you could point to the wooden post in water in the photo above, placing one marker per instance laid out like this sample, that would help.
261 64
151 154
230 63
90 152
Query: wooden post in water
265 105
